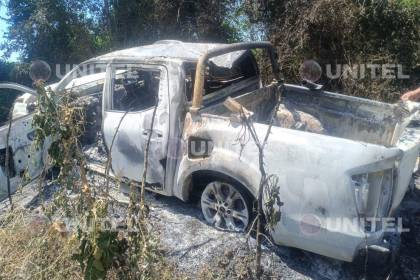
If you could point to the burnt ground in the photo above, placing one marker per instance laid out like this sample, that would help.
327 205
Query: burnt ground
191 243
408 263
198 249
195 246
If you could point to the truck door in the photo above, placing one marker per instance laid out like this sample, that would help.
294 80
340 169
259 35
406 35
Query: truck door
130 96
25 160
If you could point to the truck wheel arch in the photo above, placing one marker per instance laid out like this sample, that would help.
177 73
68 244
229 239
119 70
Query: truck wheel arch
194 183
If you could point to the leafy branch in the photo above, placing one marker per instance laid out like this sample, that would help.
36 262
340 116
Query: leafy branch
59 120
268 182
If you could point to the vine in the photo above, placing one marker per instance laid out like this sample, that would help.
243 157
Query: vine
131 252
269 188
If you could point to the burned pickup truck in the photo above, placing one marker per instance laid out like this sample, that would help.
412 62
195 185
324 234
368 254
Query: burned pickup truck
336 157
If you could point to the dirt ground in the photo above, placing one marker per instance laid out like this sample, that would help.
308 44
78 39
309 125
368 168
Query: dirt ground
408 263
195 246
191 243
198 249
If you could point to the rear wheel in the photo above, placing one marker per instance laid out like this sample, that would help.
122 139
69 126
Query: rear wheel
225 206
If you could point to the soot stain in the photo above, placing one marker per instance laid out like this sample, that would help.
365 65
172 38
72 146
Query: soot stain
321 210
128 148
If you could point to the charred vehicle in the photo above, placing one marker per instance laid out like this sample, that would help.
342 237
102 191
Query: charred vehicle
335 156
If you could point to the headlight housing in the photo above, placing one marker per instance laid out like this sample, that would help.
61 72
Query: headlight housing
373 195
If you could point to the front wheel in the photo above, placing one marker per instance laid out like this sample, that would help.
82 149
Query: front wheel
225 206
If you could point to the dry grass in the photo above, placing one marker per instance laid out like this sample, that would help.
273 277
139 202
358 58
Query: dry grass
232 264
30 248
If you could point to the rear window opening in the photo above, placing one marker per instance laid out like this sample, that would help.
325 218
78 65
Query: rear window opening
219 77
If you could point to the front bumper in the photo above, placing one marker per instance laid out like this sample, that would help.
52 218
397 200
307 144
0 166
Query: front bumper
344 244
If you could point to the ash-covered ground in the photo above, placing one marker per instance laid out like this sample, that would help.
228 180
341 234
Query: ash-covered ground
195 247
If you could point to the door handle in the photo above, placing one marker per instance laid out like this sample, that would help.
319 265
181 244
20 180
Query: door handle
158 133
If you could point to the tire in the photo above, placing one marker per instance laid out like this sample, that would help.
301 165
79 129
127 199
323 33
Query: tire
225 206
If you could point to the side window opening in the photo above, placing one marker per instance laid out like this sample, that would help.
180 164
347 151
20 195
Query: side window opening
135 89
10 164
87 83
88 79
189 69
16 101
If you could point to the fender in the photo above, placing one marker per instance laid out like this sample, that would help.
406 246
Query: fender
220 161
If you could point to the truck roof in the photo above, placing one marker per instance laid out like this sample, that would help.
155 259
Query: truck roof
166 49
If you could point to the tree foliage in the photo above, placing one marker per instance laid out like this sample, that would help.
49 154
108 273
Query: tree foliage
6 98
331 32
70 31
345 32
55 31
131 23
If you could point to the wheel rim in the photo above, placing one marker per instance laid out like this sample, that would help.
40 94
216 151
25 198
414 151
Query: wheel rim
224 207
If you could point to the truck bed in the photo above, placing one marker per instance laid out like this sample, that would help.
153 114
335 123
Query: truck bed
342 116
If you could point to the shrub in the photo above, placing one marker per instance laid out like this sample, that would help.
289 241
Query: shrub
347 32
